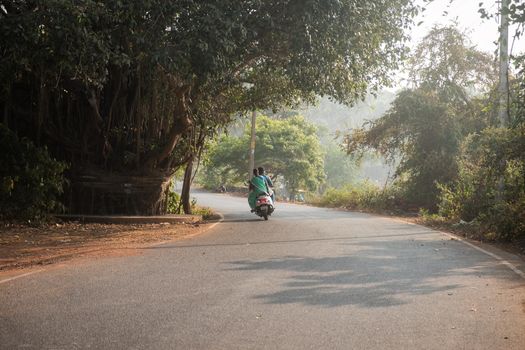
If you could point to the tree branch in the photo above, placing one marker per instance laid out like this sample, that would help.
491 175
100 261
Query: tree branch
181 123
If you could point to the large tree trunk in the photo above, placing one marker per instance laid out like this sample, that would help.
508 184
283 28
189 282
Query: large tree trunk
115 185
123 140
100 193
186 186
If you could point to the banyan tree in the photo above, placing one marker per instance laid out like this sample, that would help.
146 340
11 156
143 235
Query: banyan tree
128 92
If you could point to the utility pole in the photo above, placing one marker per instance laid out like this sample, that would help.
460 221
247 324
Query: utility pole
503 91
252 147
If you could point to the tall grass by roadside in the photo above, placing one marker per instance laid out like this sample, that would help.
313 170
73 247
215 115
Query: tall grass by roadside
363 196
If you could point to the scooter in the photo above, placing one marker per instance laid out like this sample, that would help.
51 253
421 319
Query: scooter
264 206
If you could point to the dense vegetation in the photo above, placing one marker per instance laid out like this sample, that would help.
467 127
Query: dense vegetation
489 192
425 125
127 92
288 149
452 157
32 181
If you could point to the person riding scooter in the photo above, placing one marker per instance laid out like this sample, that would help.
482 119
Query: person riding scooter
258 186
269 183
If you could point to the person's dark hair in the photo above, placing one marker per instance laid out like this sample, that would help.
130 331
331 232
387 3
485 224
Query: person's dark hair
255 172
261 170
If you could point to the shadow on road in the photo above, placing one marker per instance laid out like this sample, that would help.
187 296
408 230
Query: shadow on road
381 274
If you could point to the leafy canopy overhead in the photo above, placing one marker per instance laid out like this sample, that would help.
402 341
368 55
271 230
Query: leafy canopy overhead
335 48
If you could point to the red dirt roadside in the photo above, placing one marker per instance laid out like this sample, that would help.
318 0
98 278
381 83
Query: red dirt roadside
24 247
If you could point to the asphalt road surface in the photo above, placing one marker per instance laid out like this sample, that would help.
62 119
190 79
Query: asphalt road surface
308 278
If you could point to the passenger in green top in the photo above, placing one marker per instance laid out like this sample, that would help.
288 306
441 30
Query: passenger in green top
257 187
269 183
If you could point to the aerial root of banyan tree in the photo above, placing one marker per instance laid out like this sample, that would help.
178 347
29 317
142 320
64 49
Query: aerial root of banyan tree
102 193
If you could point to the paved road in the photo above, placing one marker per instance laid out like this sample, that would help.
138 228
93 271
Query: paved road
306 279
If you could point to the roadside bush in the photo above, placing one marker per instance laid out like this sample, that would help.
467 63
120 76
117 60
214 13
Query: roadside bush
205 212
31 181
174 204
363 196
490 189
175 207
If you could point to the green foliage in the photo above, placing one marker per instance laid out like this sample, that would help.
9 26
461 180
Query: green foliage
479 194
340 168
31 181
362 196
225 162
174 205
420 133
289 148
447 63
283 50
516 11
422 130
517 101
205 212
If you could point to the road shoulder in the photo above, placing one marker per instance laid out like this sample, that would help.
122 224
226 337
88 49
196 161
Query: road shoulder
25 249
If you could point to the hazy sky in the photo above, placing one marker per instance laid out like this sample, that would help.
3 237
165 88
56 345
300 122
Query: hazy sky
483 32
